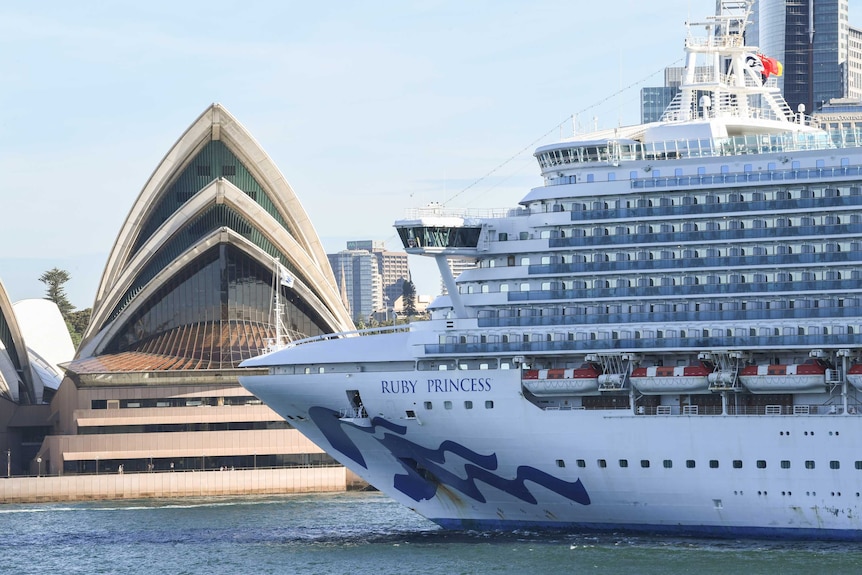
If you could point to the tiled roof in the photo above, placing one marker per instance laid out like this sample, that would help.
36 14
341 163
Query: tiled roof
207 345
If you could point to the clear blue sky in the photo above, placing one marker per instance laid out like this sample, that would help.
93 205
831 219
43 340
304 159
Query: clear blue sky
367 108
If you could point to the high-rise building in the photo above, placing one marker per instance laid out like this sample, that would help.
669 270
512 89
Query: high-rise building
358 282
811 39
854 64
457 266
655 100
365 292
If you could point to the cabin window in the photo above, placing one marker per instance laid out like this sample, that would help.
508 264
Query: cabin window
834 465
737 464
713 463
809 464
668 463
785 464
624 462
602 463
468 404
761 464
447 405
689 463
489 404
581 463
644 463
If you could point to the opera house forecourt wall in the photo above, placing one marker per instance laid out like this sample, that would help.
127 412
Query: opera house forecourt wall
151 401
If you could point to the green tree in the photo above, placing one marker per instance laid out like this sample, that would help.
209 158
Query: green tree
54 279
78 321
408 294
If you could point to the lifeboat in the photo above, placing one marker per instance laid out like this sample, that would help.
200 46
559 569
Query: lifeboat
682 379
794 378
578 381
854 376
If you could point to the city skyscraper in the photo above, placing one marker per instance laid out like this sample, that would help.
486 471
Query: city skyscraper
811 39
370 278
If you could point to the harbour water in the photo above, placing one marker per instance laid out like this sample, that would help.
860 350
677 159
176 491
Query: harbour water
357 534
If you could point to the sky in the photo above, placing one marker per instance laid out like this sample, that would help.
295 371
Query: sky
367 108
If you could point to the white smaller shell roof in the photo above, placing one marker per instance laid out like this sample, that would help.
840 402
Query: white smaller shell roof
44 330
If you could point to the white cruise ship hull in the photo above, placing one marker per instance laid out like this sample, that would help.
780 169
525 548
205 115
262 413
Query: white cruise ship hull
505 464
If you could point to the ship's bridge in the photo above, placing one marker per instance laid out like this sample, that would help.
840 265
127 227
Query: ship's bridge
433 236
435 229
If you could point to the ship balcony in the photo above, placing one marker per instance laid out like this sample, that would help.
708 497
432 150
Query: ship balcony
739 207
771 175
674 317
692 342
775 233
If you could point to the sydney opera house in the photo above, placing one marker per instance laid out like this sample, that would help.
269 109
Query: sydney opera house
214 255
34 341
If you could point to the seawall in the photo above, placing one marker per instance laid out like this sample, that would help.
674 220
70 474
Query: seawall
178 484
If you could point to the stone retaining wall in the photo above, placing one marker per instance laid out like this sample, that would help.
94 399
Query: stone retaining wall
177 484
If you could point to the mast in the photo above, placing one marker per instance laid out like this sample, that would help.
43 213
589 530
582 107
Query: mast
281 278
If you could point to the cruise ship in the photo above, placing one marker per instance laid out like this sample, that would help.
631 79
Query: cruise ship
664 337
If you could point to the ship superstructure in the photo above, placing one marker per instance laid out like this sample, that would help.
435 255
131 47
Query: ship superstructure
663 336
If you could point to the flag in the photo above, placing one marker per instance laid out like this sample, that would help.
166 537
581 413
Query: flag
754 62
771 66
284 276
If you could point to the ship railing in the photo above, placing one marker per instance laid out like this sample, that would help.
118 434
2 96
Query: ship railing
773 409
440 211
352 333
353 413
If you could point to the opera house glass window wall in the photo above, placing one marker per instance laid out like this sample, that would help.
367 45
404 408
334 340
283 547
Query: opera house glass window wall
232 316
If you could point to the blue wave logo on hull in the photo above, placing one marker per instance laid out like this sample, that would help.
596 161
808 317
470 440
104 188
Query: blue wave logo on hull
424 472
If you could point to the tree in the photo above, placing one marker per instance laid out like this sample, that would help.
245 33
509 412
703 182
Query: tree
54 279
78 321
408 293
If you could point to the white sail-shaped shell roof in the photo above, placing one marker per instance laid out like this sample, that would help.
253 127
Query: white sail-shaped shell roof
259 215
